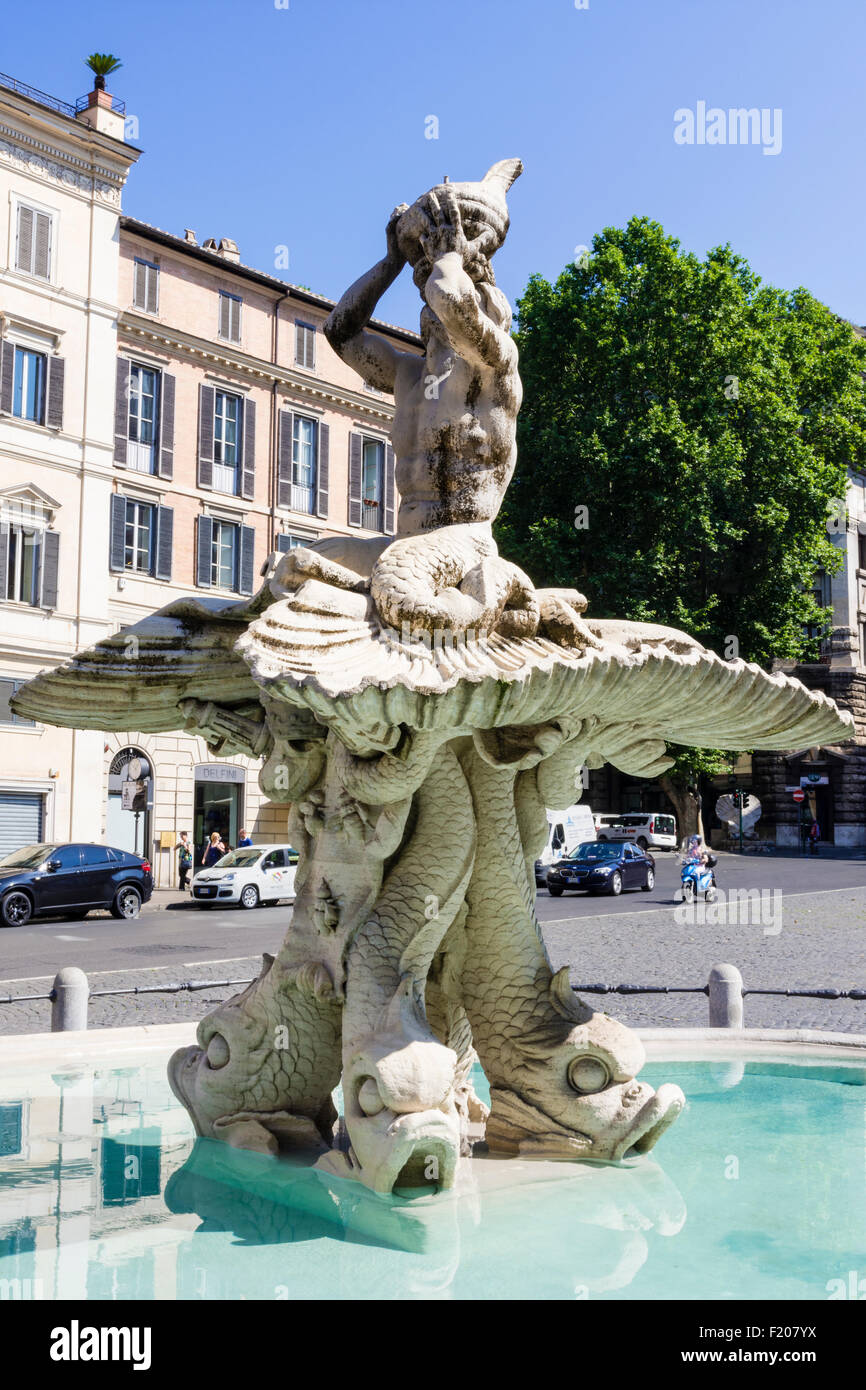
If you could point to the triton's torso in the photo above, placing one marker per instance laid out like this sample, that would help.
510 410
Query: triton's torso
454 437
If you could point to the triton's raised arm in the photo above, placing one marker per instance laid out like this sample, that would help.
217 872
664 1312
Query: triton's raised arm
346 326
473 313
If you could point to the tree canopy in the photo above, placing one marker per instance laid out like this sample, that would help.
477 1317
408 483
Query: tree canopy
704 421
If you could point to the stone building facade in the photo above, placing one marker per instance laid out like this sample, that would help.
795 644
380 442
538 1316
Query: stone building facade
62 173
220 427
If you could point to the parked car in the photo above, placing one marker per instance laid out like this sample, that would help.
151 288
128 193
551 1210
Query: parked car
651 830
597 867
604 820
257 874
70 881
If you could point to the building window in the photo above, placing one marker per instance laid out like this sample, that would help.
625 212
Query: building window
286 541
33 245
143 407
224 555
304 441
145 294
28 389
226 441
305 346
24 562
8 688
139 536
371 484
861 539
230 316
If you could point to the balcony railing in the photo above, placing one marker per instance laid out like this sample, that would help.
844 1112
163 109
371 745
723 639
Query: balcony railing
83 103
301 499
65 108
24 90
372 515
140 457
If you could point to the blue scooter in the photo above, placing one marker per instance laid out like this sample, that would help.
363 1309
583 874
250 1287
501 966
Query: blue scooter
698 878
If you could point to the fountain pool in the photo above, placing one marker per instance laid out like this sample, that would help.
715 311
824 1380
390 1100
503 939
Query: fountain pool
757 1192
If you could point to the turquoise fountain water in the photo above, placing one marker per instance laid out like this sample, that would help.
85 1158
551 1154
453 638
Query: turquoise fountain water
756 1192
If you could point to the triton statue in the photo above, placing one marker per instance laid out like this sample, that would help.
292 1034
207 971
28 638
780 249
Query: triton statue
419 703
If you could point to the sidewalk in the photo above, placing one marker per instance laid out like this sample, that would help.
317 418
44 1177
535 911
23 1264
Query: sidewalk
790 852
169 900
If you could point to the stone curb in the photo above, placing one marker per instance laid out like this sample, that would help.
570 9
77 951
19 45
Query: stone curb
695 1043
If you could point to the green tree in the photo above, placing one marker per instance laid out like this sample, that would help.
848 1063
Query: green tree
683 444
704 420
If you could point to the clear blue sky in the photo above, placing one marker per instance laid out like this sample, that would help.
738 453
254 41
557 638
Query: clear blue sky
304 126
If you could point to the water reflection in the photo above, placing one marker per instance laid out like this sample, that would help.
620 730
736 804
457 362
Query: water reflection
105 1194
267 1204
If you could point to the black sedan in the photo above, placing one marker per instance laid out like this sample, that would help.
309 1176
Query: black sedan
601 867
70 881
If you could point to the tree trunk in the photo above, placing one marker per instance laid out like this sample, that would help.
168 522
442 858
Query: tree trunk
686 807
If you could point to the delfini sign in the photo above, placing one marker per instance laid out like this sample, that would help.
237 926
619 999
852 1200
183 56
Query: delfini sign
219 772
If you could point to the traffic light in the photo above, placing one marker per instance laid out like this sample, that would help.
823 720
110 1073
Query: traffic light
735 798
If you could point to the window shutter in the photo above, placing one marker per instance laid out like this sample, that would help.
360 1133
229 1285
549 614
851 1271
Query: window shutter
164 536
248 466
150 298
204 541
355 479
139 291
54 403
42 248
205 436
230 317
284 542
24 252
50 559
246 577
117 528
121 412
323 469
389 490
165 461
7 377
284 459
4 560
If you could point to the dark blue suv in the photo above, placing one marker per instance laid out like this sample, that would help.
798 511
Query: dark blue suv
70 881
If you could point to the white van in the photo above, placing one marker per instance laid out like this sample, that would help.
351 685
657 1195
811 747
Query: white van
565 831
653 830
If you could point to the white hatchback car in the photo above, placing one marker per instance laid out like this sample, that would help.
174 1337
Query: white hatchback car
257 874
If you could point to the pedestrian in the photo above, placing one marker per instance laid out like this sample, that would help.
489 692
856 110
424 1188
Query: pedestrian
184 860
814 836
214 851
244 840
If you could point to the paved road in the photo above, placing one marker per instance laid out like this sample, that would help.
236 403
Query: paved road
812 933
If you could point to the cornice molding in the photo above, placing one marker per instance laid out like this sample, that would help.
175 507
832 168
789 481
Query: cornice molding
202 350
59 167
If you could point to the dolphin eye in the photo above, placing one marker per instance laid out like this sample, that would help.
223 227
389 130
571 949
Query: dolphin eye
588 1075
217 1052
369 1097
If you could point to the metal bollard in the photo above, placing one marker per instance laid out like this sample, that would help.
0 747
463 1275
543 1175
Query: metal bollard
725 989
69 1003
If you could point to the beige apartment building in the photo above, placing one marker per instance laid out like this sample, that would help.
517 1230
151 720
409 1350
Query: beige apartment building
221 427
62 171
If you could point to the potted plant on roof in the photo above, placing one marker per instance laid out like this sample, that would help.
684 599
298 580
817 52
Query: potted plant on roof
101 64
